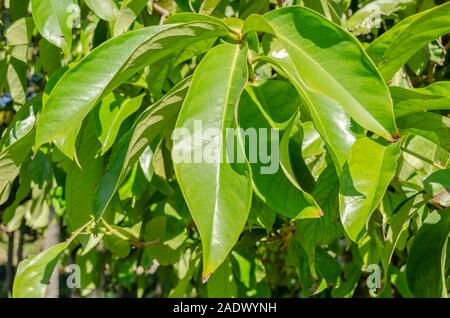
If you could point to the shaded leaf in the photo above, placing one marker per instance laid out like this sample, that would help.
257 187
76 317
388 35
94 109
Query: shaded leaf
425 269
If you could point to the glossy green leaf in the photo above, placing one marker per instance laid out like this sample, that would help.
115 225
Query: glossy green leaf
105 9
110 114
53 20
34 273
395 47
222 210
425 270
365 178
101 71
330 53
333 124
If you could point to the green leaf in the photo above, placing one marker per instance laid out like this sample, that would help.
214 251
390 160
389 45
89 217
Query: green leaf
190 260
53 20
248 7
128 13
323 231
343 73
18 37
105 68
33 273
91 266
333 124
222 283
18 9
431 126
273 184
82 179
118 246
50 56
370 15
20 32
278 101
130 147
398 223
14 213
365 178
40 169
291 156
438 186
110 114
16 77
396 46
187 17
16 143
416 100
22 124
208 6
222 210
425 269
105 9
324 7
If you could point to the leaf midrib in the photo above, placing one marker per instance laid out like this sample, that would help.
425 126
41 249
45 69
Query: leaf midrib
224 112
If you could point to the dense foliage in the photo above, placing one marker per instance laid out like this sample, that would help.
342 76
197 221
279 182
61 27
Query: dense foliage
94 92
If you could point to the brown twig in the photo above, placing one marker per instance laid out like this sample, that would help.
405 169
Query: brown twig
162 12
9 276
145 244
430 74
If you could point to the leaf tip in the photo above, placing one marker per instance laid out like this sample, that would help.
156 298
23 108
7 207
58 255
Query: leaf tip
395 137
205 278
